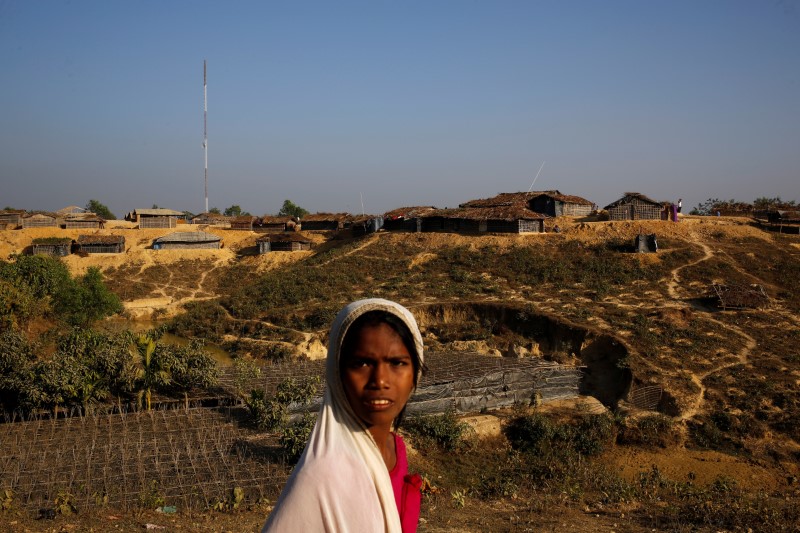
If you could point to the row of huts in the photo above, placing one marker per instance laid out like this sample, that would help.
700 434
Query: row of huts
521 212
12 219
180 240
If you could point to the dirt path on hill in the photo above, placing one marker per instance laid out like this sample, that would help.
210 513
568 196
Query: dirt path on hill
741 356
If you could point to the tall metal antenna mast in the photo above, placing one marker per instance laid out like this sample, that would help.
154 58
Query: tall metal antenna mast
537 177
205 131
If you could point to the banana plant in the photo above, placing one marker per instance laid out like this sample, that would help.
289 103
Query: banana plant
151 373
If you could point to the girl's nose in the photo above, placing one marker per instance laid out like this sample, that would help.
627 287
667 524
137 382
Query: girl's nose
378 377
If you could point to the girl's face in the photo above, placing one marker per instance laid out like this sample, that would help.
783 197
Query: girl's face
378 376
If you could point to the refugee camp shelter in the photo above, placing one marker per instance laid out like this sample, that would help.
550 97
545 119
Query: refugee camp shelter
783 216
83 221
212 219
244 222
634 206
283 242
38 220
324 221
55 246
364 224
505 219
274 224
155 218
188 240
100 244
504 199
555 204
70 210
406 218
645 243
10 218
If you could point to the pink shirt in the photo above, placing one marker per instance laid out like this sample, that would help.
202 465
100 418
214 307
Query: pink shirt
406 489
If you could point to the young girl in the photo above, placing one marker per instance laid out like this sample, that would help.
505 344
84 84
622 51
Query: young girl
352 475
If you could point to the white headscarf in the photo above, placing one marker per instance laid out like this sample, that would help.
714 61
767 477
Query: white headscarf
341 482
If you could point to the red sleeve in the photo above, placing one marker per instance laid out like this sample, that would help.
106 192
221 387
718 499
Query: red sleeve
406 489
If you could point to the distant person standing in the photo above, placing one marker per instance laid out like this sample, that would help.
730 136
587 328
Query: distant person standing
680 204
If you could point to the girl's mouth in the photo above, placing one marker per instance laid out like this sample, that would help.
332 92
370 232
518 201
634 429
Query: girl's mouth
377 405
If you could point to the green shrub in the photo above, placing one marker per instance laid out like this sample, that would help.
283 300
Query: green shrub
539 435
294 437
655 430
445 430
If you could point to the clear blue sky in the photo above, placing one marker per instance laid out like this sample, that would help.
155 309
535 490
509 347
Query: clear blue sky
406 103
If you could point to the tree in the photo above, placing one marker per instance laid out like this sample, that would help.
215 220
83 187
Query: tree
215 210
289 209
96 207
87 299
235 211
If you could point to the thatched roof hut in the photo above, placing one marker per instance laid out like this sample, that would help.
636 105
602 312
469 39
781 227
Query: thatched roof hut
55 246
505 199
363 224
84 221
283 242
555 204
211 219
38 220
100 244
156 218
185 240
273 224
324 221
10 218
244 222
406 218
503 219
635 206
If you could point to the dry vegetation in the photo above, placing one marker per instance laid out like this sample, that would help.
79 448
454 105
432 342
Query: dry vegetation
720 453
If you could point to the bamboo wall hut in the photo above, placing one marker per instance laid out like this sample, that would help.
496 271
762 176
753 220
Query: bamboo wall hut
55 246
10 218
156 218
188 240
38 220
212 219
100 244
274 224
84 221
635 206
283 242
507 219
244 222
555 204
324 221
406 218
